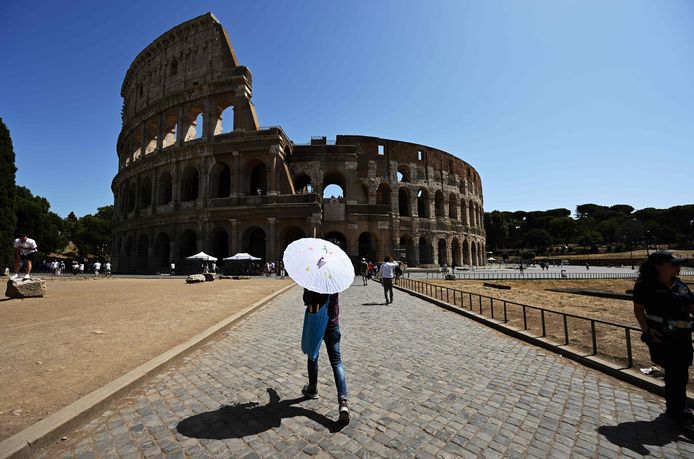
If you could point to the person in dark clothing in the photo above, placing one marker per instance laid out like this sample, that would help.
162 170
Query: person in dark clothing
313 302
663 305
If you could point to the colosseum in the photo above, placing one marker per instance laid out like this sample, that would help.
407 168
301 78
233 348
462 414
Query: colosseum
196 172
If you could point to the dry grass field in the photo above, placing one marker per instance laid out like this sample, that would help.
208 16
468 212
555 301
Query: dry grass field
85 333
636 254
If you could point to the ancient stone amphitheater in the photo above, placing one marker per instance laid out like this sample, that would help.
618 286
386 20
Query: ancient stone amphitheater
196 172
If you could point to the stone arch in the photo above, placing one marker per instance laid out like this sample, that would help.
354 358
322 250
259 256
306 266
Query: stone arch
291 234
383 194
257 178
334 178
151 134
423 203
255 242
442 251
453 206
129 246
439 205
367 246
145 193
194 123
455 252
404 208
190 184
162 248
337 238
220 180
169 128
165 188
407 249
142 246
219 244
303 183
403 174
426 256
473 253
471 214
187 244
130 202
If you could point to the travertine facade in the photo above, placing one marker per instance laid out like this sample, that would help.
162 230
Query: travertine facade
196 172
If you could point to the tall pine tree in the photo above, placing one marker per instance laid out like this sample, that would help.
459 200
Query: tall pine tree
8 217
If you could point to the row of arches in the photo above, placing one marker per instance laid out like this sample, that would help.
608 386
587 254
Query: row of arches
179 125
468 184
141 193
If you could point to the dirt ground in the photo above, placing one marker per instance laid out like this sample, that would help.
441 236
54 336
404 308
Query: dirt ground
85 333
637 254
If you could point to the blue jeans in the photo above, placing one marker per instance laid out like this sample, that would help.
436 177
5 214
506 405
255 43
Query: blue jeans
332 343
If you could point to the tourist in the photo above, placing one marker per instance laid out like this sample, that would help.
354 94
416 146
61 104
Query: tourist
172 269
364 269
107 269
81 269
332 336
25 248
386 272
663 305
62 268
97 267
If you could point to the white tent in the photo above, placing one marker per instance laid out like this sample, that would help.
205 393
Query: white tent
202 256
242 256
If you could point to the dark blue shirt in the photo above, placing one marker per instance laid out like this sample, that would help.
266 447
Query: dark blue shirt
668 303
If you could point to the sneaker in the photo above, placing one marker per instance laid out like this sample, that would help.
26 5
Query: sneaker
15 276
27 277
344 412
310 392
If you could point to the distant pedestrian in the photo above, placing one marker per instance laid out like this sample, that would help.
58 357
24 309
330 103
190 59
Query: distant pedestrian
81 268
97 268
314 301
25 248
107 269
172 269
663 305
364 271
387 272
61 268
587 267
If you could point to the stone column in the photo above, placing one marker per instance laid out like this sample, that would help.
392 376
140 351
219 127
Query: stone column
160 132
235 237
154 193
271 240
180 135
236 171
352 182
143 139
273 188
352 240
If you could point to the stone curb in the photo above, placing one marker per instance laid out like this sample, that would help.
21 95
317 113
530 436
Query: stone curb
29 440
630 376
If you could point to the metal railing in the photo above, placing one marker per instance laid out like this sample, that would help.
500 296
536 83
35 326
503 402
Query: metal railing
534 275
503 310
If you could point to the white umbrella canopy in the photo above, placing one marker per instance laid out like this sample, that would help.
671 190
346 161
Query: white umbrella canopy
202 256
318 265
241 256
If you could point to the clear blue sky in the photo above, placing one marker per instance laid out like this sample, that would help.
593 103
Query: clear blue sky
556 103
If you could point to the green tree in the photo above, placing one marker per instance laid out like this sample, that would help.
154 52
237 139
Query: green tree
496 228
562 229
538 239
92 233
8 218
36 220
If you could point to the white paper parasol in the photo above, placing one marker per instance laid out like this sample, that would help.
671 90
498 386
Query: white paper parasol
318 265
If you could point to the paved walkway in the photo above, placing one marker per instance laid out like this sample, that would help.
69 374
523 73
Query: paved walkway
423 382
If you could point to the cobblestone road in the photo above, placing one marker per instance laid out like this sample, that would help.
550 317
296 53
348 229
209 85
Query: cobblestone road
423 382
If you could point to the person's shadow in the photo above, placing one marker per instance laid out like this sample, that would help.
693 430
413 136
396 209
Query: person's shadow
241 420
635 435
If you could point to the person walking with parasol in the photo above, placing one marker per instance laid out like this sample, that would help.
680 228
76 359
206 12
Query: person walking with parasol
324 270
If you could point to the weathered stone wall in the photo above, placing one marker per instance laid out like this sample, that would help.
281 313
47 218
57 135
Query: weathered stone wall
197 173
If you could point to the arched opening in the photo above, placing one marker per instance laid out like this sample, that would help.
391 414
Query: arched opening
473 253
383 194
226 121
453 207
439 205
195 127
187 244
145 193
403 174
162 246
258 180
467 256
471 214
131 197
406 250
151 128
169 129
129 246
338 239
334 185
303 184
219 244
164 193
425 252
404 201
291 234
220 181
455 252
189 184
142 246
423 203
442 250
255 242
367 247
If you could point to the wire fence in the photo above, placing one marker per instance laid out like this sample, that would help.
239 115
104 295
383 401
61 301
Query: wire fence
616 342
535 275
